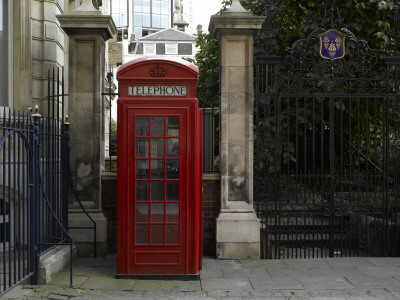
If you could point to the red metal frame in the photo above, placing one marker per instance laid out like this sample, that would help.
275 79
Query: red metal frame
147 257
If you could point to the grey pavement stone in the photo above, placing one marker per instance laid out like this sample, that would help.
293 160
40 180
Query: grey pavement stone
331 278
385 261
264 264
366 282
211 273
321 283
17 293
57 297
380 271
84 270
110 261
348 262
62 279
227 294
382 294
219 264
87 297
328 273
96 294
88 261
41 295
245 273
306 263
267 294
281 284
108 283
166 285
226 284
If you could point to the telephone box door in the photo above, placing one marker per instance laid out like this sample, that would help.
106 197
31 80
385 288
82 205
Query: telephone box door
157 183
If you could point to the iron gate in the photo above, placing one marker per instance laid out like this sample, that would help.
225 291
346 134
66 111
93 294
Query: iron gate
327 160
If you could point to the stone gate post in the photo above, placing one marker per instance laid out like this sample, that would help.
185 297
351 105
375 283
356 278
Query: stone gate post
88 30
238 228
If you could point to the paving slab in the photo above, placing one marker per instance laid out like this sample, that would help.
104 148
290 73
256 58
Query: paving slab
57 297
348 262
368 282
306 263
215 263
381 271
17 293
166 285
62 279
385 261
226 284
260 284
89 261
322 283
211 273
328 273
108 283
245 273
263 264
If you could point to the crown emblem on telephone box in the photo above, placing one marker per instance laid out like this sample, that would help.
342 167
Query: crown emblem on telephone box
158 71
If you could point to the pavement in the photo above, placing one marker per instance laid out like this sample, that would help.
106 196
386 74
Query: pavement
323 278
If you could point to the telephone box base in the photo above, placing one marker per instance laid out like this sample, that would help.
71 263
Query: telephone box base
180 277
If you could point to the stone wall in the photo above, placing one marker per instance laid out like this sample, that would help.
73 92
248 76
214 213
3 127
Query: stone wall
211 208
48 46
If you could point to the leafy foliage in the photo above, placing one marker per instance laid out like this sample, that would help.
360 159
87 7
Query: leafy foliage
207 60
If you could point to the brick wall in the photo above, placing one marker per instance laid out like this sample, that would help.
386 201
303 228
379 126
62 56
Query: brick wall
114 53
211 208
109 204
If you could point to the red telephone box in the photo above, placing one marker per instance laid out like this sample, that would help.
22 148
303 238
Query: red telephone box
159 205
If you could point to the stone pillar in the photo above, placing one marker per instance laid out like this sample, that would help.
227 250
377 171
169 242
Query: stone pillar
88 30
238 228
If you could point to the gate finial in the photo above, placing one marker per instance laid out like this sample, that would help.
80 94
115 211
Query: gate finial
236 7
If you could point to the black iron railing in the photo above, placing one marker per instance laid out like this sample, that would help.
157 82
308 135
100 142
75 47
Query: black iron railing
33 209
208 93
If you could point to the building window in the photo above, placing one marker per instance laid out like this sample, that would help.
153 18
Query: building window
119 12
150 14
122 34
149 49
5 52
171 48
185 48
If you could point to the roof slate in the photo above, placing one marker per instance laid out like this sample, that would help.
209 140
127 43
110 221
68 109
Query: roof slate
169 34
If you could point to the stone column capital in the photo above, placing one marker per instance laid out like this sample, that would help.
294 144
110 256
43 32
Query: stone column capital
236 21
76 23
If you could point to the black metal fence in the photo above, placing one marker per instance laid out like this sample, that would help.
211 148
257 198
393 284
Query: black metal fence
327 151
208 93
33 187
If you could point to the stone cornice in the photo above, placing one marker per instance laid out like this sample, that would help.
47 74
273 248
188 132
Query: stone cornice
72 23
235 23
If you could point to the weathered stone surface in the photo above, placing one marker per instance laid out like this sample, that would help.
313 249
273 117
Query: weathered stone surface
170 285
226 284
235 28
53 262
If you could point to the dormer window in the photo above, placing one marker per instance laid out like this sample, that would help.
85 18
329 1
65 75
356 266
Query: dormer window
171 48
149 49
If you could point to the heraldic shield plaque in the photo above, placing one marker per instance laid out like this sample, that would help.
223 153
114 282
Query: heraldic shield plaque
332 44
